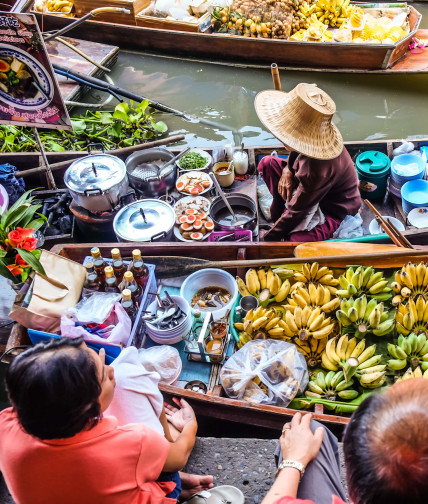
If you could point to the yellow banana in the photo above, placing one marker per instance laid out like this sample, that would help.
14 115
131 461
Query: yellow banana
242 287
283 291
261 273
252 281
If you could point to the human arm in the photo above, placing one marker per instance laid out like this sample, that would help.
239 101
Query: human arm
297 443
164 422
314 183
182 447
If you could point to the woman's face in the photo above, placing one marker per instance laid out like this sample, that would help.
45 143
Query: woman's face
105 377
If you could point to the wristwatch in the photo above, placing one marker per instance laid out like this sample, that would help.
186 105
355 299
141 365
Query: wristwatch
291 463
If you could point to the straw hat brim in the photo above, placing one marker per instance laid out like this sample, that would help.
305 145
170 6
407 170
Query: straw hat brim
315 140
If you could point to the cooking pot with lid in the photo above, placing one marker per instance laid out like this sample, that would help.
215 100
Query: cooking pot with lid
97 182
242 204
145 220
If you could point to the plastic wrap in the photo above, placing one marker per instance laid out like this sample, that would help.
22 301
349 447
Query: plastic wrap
163 359
350 227
265 372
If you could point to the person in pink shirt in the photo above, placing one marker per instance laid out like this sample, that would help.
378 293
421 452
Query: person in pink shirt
56 447
385 446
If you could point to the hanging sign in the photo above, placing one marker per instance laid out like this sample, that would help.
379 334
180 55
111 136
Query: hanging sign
29 92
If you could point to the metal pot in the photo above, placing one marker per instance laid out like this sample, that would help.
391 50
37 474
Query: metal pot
145 220
154 187
97 182
235 200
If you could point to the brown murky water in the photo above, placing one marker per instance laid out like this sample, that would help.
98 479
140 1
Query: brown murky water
369 107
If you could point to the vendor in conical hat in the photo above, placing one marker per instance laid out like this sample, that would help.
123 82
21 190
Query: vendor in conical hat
317 187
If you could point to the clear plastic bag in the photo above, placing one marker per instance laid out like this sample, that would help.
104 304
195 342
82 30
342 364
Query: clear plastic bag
265 372
350 227
95 308
163 359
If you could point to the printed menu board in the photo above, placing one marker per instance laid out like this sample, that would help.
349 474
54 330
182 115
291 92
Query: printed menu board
29 92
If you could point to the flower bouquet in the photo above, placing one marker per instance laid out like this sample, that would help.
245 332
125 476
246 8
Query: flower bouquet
18 253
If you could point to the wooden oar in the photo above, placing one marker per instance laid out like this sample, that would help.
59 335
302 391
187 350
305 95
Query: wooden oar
172 266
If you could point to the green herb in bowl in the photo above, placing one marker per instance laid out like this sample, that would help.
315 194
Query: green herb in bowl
193 161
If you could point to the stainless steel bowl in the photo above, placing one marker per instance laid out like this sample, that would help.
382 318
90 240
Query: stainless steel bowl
151 188
235 200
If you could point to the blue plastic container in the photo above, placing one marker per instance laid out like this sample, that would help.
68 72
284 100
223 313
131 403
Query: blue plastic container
406 159
414 194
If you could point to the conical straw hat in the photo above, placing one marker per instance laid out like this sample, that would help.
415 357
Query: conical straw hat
301 119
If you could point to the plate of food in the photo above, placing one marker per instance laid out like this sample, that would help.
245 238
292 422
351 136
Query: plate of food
195 159
194 183
24 82
192 222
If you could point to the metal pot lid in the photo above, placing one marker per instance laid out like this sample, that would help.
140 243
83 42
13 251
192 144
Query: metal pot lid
100 171
143 219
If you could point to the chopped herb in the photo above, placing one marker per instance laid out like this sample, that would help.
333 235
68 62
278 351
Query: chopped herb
192 161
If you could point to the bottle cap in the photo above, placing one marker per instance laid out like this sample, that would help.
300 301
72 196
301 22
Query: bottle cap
115 253
126 294
197 313
129 277
136 254
89 266
95 252
108 270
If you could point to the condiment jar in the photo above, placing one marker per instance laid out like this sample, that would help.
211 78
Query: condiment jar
240 162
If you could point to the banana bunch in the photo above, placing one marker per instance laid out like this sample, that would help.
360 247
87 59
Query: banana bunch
260 323
312 295
412 317
410 281
312 349
363 317
306 323
268 286
316 274
331 385
332 12
412 350
355 359
364 281
416 373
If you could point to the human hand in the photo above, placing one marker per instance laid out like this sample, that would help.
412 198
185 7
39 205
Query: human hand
297 440
285 184
180 416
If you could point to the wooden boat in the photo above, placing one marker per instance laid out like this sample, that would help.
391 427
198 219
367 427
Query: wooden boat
29 162
217 405
343 57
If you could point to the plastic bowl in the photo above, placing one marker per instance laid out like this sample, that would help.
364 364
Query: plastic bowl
406 159
175 334
374 227
414 194
203 153
210 277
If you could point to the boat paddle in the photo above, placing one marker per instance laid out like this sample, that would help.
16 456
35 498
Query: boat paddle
173 266
117 91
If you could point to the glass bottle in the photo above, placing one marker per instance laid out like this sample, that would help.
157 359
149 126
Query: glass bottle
128 304
193 336
139 269
99 263
118 264
92 282
111 284
130 284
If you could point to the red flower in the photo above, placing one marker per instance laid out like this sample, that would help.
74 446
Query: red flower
29 244
15 238
20 262
26 232
15 270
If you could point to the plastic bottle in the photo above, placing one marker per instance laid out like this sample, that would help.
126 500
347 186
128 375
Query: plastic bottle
139 269
111 281
99 263
118 264
130 284
128 304
92 282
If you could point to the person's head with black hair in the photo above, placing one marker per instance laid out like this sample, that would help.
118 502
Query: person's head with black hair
386 446
59 388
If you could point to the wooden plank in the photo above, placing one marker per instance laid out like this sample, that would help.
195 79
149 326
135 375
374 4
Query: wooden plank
102 54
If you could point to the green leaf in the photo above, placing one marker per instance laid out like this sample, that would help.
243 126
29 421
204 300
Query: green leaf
106 118
15 217
160 126
3 253
128 142
56 147
25 273
6 273
79 126
29 215
121 112
36 224
30 259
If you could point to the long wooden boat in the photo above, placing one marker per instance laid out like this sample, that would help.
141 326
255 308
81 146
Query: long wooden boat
29 161
344 57
217 405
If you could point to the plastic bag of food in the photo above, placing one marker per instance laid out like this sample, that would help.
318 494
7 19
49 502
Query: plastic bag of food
163 359
265 372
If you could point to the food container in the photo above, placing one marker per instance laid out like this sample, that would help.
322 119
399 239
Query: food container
207 278
414 194
407 167
97 182
151 188
174 334
224 174
145 220
239 203
240 162
208 161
